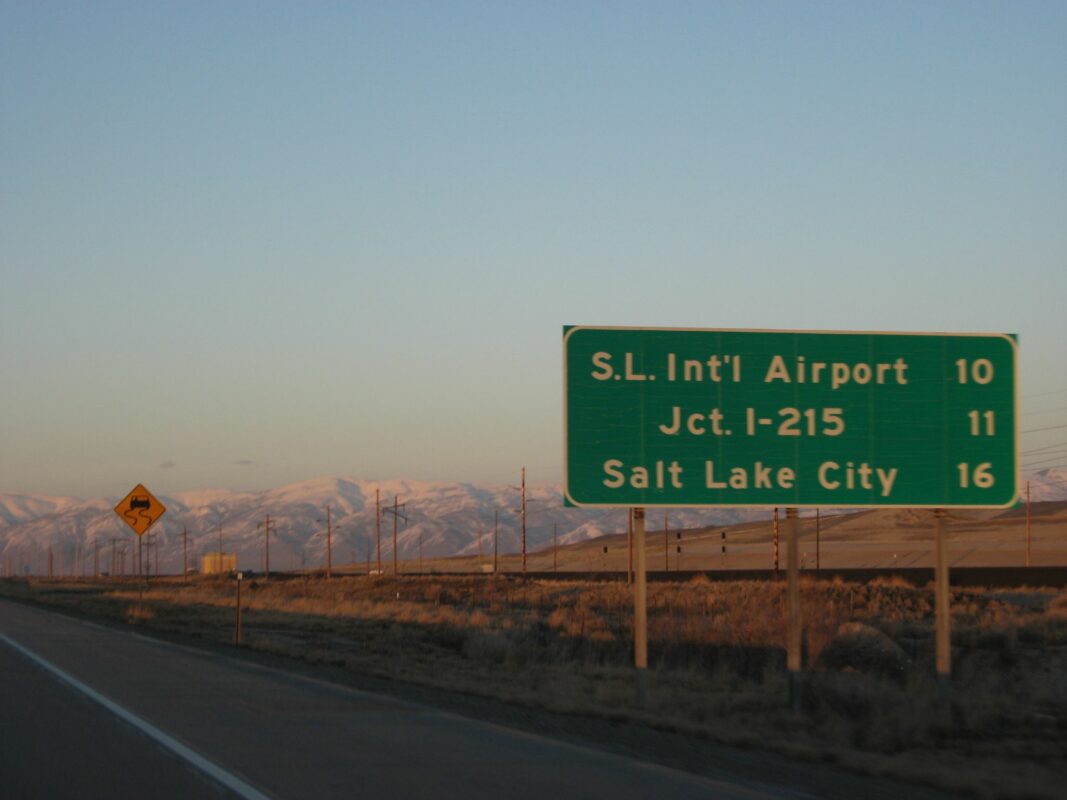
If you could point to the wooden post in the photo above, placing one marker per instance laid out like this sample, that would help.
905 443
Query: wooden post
942 620
793 636
640 606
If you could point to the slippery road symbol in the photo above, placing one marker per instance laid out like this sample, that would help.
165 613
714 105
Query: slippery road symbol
141 505
139 509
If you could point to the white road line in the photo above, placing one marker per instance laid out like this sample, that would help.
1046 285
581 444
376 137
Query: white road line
230 781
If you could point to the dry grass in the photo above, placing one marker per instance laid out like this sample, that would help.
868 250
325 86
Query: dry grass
717 662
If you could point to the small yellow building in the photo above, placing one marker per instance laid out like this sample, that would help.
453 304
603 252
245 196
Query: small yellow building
213 563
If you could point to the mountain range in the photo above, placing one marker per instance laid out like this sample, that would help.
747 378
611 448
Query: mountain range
444 518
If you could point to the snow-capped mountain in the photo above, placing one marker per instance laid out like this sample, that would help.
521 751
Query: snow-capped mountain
447 518
1046 484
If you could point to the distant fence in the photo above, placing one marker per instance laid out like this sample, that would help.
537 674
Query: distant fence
1000 577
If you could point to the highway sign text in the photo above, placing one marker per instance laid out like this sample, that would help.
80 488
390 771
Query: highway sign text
788 418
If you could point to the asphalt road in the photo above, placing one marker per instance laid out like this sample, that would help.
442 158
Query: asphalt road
88 711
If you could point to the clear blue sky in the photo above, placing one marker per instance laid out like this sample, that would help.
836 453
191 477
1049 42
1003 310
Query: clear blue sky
243 244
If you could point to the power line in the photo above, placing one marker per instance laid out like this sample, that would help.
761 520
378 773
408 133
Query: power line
1045 394
1043 449
1046 410
1043 461
1050 428
1049 466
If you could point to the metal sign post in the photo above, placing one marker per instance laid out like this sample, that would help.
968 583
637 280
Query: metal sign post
640 605
942 620
140 510
792 602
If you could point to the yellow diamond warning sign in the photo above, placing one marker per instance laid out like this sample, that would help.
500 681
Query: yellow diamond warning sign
140 509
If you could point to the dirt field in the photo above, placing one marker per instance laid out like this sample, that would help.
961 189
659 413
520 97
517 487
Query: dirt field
880 539
870 701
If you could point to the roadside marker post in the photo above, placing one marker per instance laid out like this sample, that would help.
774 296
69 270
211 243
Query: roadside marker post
237 621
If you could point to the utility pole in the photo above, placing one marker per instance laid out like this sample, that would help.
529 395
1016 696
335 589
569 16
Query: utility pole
266 525
113 563
329 544
157 559
49 561
524 521
185 553
395 511
555 548
378 525
96 558
1028 523
817 528
666 545
420 552
496 532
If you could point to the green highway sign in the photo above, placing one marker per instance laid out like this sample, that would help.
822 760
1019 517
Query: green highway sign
670 417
